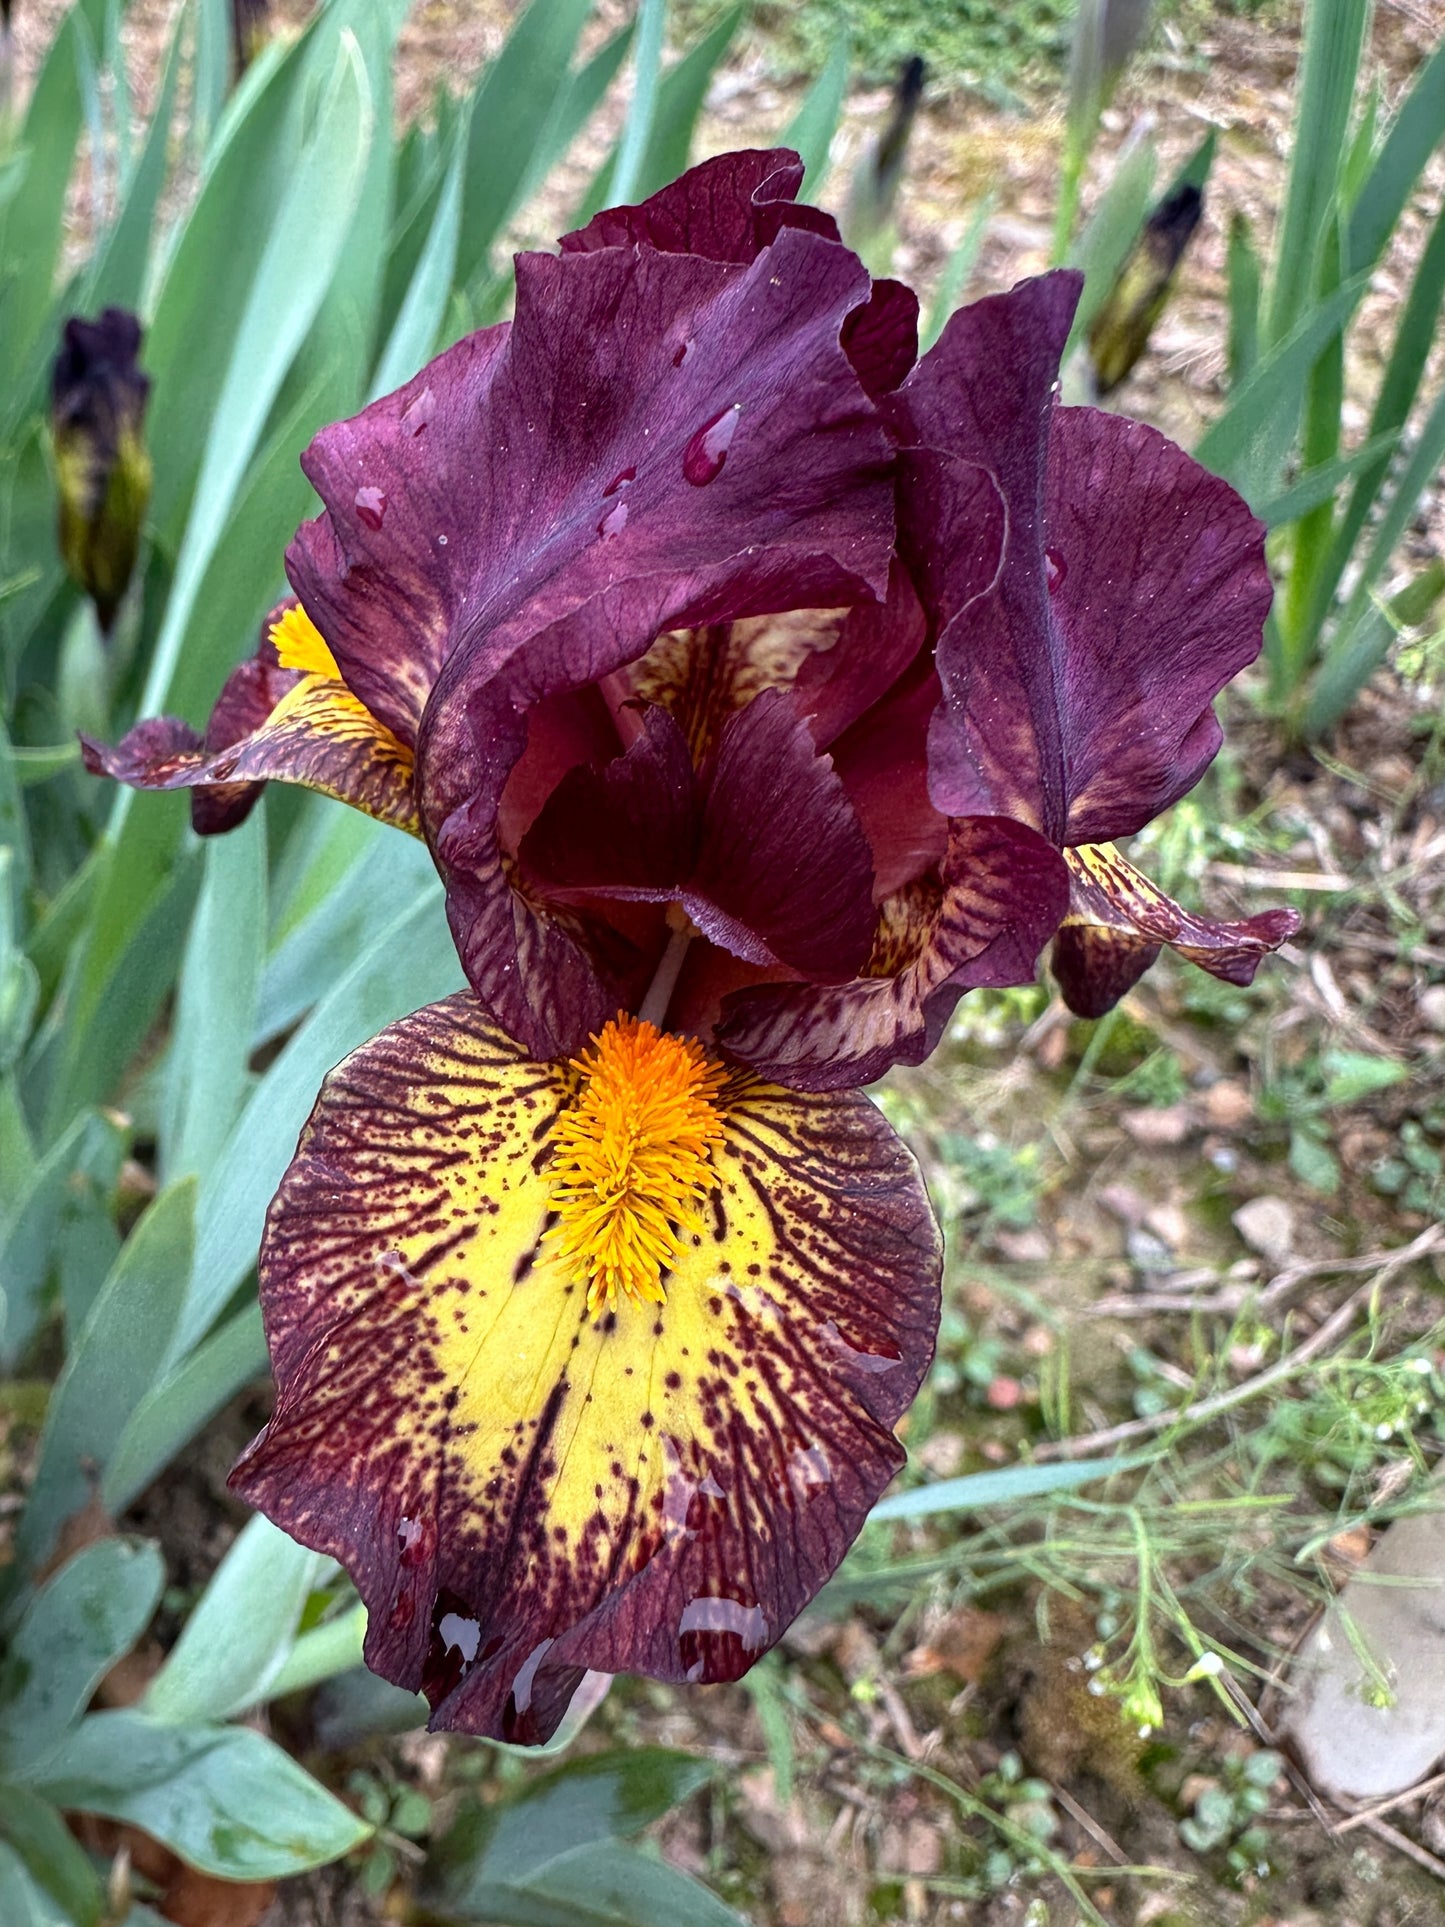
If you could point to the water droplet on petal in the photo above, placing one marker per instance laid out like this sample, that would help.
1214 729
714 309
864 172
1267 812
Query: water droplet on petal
441 541
1055 569
417 415
684 349
703 458
619 480
371 506
614 521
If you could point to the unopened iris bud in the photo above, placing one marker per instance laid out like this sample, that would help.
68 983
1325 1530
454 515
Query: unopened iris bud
97 419
879 174
250 30
1120 331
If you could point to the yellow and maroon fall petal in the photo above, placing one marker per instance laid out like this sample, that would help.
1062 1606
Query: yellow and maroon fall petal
283 717
1119 921
522 1489
981 918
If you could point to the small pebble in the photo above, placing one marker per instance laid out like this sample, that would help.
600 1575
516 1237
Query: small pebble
1267 1226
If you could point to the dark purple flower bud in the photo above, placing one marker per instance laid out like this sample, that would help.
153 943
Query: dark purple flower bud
103 469
1120 331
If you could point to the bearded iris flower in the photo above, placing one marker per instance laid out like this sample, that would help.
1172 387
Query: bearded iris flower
759 689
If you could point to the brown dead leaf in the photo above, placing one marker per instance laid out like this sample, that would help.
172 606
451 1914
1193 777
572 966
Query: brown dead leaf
962 1643
84 1528
185 1896
126 1682
856 1651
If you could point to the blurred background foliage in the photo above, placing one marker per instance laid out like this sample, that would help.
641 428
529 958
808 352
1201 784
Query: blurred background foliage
293 245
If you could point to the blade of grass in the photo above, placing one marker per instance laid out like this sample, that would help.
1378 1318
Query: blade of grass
1399 387
1414 134
1244 302
1312 535
1250 441
1420 470
518 94
810 132
1010 1484
181 1404
206 1069
1321 484
957 271
112 1363
1334 40
680 96
296 265
116 276
419 320
642 109
32 219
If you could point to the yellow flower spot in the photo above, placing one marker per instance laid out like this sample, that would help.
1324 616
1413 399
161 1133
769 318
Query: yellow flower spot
634 1159
301 645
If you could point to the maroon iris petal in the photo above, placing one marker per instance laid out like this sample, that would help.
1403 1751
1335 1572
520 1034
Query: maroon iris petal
386 571
247 698
876 643
628 829
783 858
881 338
1158 593
613 507
981 919
726 209
983 395
1078 688
1119 921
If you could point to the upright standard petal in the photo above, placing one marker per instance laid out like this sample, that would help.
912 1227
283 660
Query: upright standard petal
1078 688
521 1490
727 209
981 919
386 570
698 449
284 717
1119 921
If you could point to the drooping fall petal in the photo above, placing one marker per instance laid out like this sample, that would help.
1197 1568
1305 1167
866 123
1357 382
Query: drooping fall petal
523 1491
982 919
271 722
1078 689
1118 922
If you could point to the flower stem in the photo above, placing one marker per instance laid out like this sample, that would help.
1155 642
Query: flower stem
653 1008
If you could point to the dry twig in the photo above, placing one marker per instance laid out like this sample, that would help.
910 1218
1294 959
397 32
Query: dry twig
1204 1409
